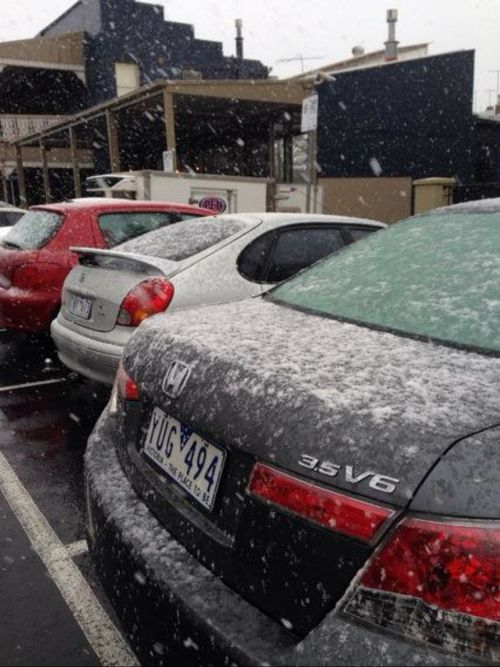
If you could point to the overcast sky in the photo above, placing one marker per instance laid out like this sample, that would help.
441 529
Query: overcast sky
326 29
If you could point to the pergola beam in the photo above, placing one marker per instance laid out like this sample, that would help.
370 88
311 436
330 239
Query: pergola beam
169 111
21 178
45 170
271 92
74 161
113 143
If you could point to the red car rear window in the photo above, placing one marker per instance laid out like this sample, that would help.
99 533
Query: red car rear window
33 230
123 226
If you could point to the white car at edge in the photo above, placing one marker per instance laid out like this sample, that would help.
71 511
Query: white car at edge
193 263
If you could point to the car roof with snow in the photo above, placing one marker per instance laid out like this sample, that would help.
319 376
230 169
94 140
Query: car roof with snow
477 207
188 238
103 204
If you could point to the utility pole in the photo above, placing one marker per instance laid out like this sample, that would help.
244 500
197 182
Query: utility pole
310 127
497 72
490 92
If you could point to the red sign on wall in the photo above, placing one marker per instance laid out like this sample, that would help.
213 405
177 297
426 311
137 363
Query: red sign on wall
215 204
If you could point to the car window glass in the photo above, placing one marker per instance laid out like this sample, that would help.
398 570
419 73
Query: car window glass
185 239
253 260
5 220
359 233
9 218
296 249
120 227
14 217
33 230
186 216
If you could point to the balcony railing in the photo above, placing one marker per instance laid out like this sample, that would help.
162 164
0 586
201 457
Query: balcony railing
13 127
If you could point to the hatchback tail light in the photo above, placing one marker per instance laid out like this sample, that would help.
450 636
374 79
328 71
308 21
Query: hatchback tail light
146 299
127 389
331 510
439 582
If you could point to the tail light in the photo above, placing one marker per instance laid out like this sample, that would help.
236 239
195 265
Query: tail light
146 299
439 582
331 510
125 386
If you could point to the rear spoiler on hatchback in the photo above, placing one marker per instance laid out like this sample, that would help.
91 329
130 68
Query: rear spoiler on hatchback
125 261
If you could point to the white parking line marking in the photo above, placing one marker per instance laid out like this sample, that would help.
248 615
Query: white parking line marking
77 548
31 385
101 633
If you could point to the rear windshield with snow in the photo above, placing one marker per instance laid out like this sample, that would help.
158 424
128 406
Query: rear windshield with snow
120 227
436 276
33 230
184 239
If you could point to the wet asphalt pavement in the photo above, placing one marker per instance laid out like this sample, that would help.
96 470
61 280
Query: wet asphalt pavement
46 416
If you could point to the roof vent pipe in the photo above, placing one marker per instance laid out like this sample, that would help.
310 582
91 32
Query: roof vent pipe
391 46
239 39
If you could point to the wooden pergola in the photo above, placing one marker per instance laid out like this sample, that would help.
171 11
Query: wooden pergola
272 99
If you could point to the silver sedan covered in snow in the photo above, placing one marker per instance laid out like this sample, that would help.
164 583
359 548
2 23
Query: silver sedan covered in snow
193 263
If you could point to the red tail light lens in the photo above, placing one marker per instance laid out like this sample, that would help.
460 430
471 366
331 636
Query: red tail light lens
326 508
147 299
438 581
447 566
125 386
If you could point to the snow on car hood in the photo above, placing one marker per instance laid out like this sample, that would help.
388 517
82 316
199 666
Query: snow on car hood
281 383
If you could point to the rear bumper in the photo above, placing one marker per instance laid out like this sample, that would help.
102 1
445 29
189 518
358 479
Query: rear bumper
177 612
28 310
91 358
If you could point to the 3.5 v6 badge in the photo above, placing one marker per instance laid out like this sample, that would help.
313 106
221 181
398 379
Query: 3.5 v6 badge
375 481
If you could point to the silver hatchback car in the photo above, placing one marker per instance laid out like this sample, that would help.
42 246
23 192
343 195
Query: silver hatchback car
190 264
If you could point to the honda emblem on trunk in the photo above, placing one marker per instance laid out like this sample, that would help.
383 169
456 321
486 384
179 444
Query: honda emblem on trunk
176 379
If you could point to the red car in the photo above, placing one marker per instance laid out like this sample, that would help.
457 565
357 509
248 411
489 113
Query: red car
35 256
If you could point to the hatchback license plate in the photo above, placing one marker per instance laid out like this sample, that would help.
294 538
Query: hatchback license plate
191 461
80 306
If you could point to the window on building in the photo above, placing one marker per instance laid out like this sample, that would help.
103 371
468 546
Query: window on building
127 78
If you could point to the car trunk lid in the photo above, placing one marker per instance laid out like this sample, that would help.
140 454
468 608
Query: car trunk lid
362 413
96 287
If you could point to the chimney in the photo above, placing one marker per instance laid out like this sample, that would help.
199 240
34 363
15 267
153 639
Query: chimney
239 39
391 46
497 107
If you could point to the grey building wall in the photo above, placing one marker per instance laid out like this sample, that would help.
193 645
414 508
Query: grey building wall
84 15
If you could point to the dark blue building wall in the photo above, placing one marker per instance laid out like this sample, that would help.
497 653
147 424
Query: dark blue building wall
412 118
132 32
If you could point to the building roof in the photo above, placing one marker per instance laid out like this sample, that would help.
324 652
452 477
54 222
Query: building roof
64 52
266 91
373 58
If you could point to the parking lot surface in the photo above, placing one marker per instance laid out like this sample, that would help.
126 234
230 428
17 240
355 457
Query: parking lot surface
53 610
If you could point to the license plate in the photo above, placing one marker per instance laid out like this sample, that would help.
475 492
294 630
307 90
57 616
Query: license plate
191 461
80 306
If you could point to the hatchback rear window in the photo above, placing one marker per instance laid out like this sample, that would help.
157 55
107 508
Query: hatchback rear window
120 227
185 239
33 230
